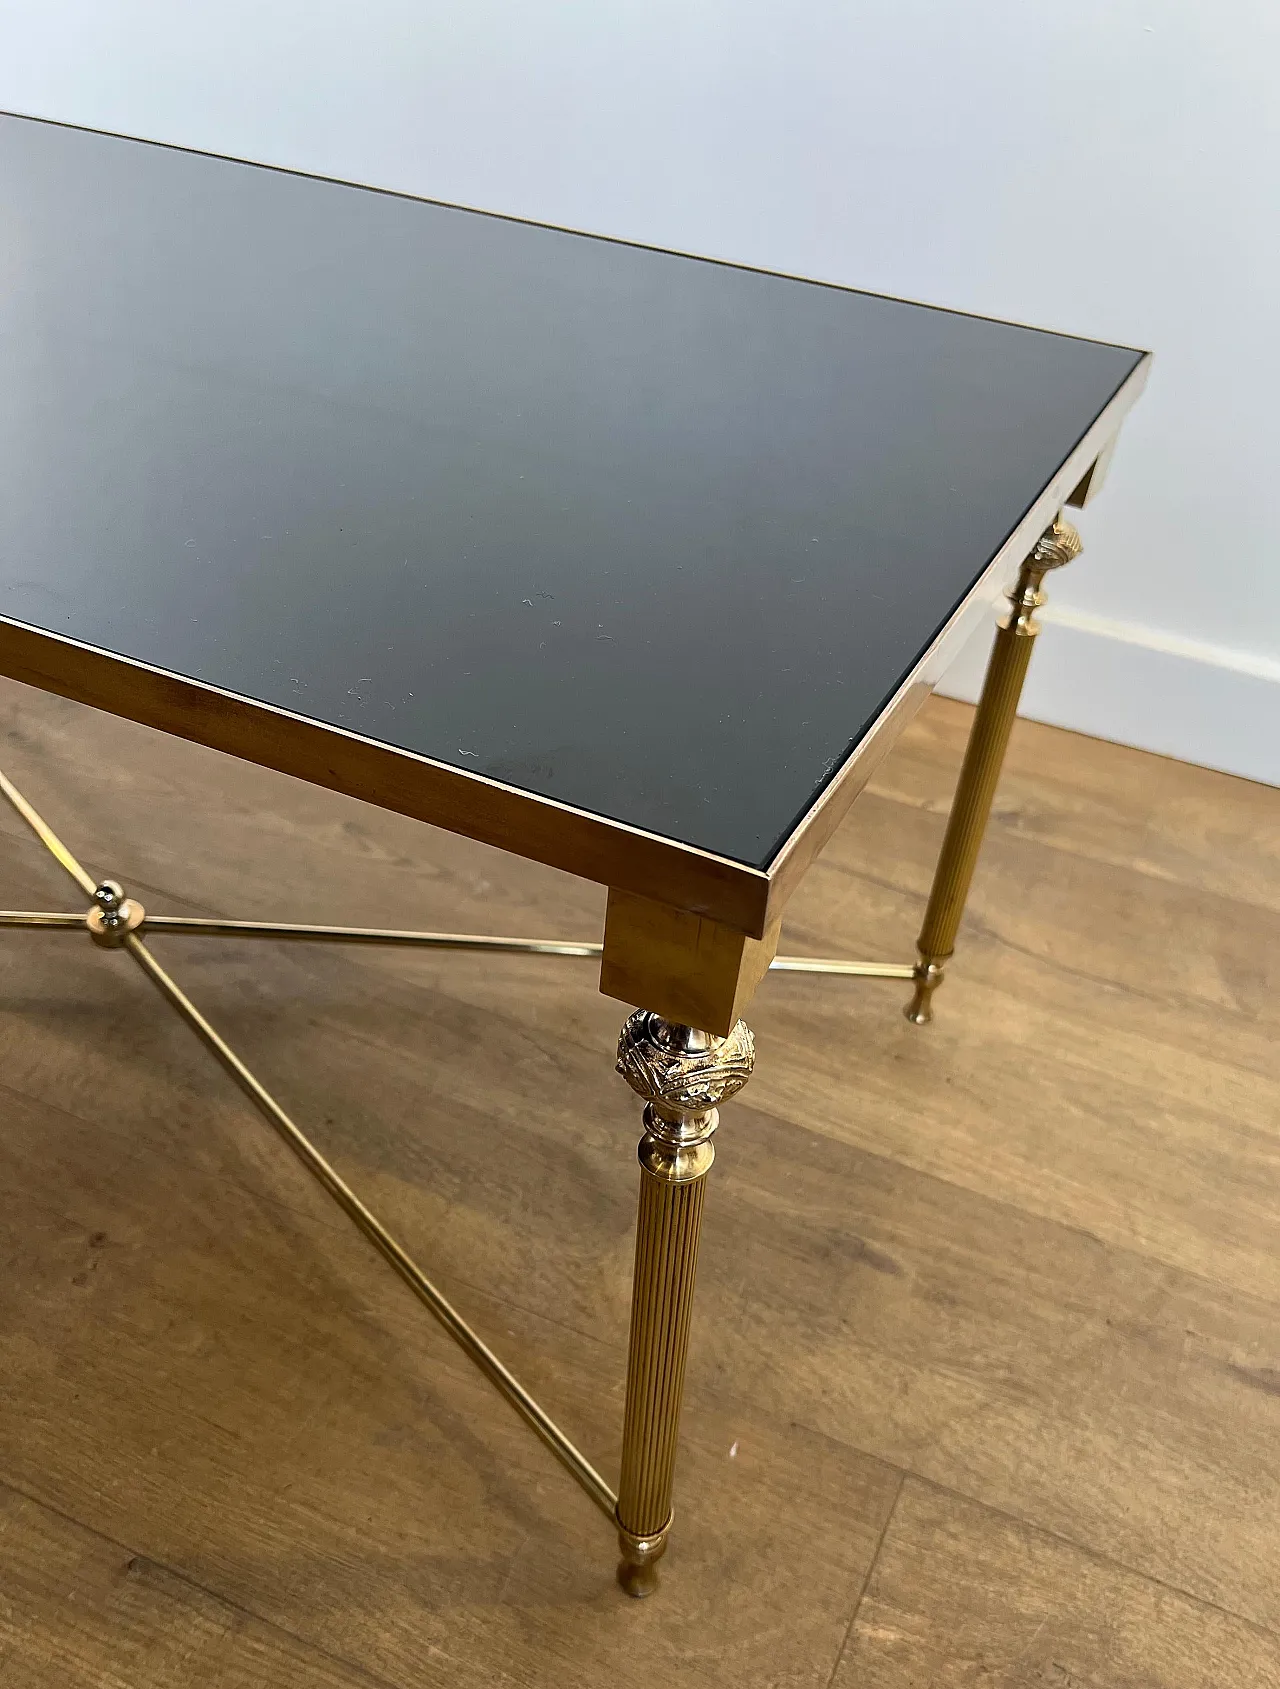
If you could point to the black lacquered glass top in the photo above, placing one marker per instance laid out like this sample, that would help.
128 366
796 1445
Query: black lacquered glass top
653 536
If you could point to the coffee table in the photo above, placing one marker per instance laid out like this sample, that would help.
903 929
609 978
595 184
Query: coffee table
621 560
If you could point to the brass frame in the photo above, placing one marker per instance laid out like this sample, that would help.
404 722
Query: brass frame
682 1073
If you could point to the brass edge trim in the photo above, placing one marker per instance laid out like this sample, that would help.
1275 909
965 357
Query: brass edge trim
815 828
527 824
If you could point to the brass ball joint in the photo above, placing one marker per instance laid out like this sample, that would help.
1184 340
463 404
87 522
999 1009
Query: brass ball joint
112 916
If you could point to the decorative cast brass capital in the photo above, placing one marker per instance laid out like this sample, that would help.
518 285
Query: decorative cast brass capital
682 1074
680 1070
1059 544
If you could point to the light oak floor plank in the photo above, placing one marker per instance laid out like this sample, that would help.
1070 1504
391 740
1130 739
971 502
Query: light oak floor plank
84 1612
962 1598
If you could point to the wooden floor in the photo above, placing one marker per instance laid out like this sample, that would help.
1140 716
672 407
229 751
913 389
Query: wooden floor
985 1386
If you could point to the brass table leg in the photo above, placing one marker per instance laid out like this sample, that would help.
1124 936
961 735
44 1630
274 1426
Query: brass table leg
682 1074
983 759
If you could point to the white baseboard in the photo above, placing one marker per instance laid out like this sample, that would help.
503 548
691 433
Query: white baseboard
1137 686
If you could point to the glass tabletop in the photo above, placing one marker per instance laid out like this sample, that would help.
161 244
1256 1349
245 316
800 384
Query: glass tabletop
653 536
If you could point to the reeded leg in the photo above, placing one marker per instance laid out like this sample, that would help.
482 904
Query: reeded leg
983 759
682 1074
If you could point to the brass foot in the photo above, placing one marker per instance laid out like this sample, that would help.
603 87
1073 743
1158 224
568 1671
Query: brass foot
928 976
638 1568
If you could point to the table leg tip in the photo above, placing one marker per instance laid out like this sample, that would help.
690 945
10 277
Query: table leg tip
638 1568
928 977
637 1581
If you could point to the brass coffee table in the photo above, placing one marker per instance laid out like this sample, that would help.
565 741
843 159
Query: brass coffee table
624 561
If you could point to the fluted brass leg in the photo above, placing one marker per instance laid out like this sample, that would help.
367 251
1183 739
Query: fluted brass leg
682 1074
983 759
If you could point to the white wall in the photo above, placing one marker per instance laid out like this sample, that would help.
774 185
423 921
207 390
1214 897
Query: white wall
1110 167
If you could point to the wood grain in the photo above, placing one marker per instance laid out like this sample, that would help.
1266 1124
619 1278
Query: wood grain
84 1612
962 1597
1026 1257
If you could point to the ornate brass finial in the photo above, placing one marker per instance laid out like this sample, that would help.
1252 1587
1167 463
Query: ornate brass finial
682 1074
1060 543
680 1069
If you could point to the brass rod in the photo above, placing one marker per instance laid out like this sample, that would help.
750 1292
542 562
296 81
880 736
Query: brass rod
200 925
208 927
827 965
35 918
422 1287
48 838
